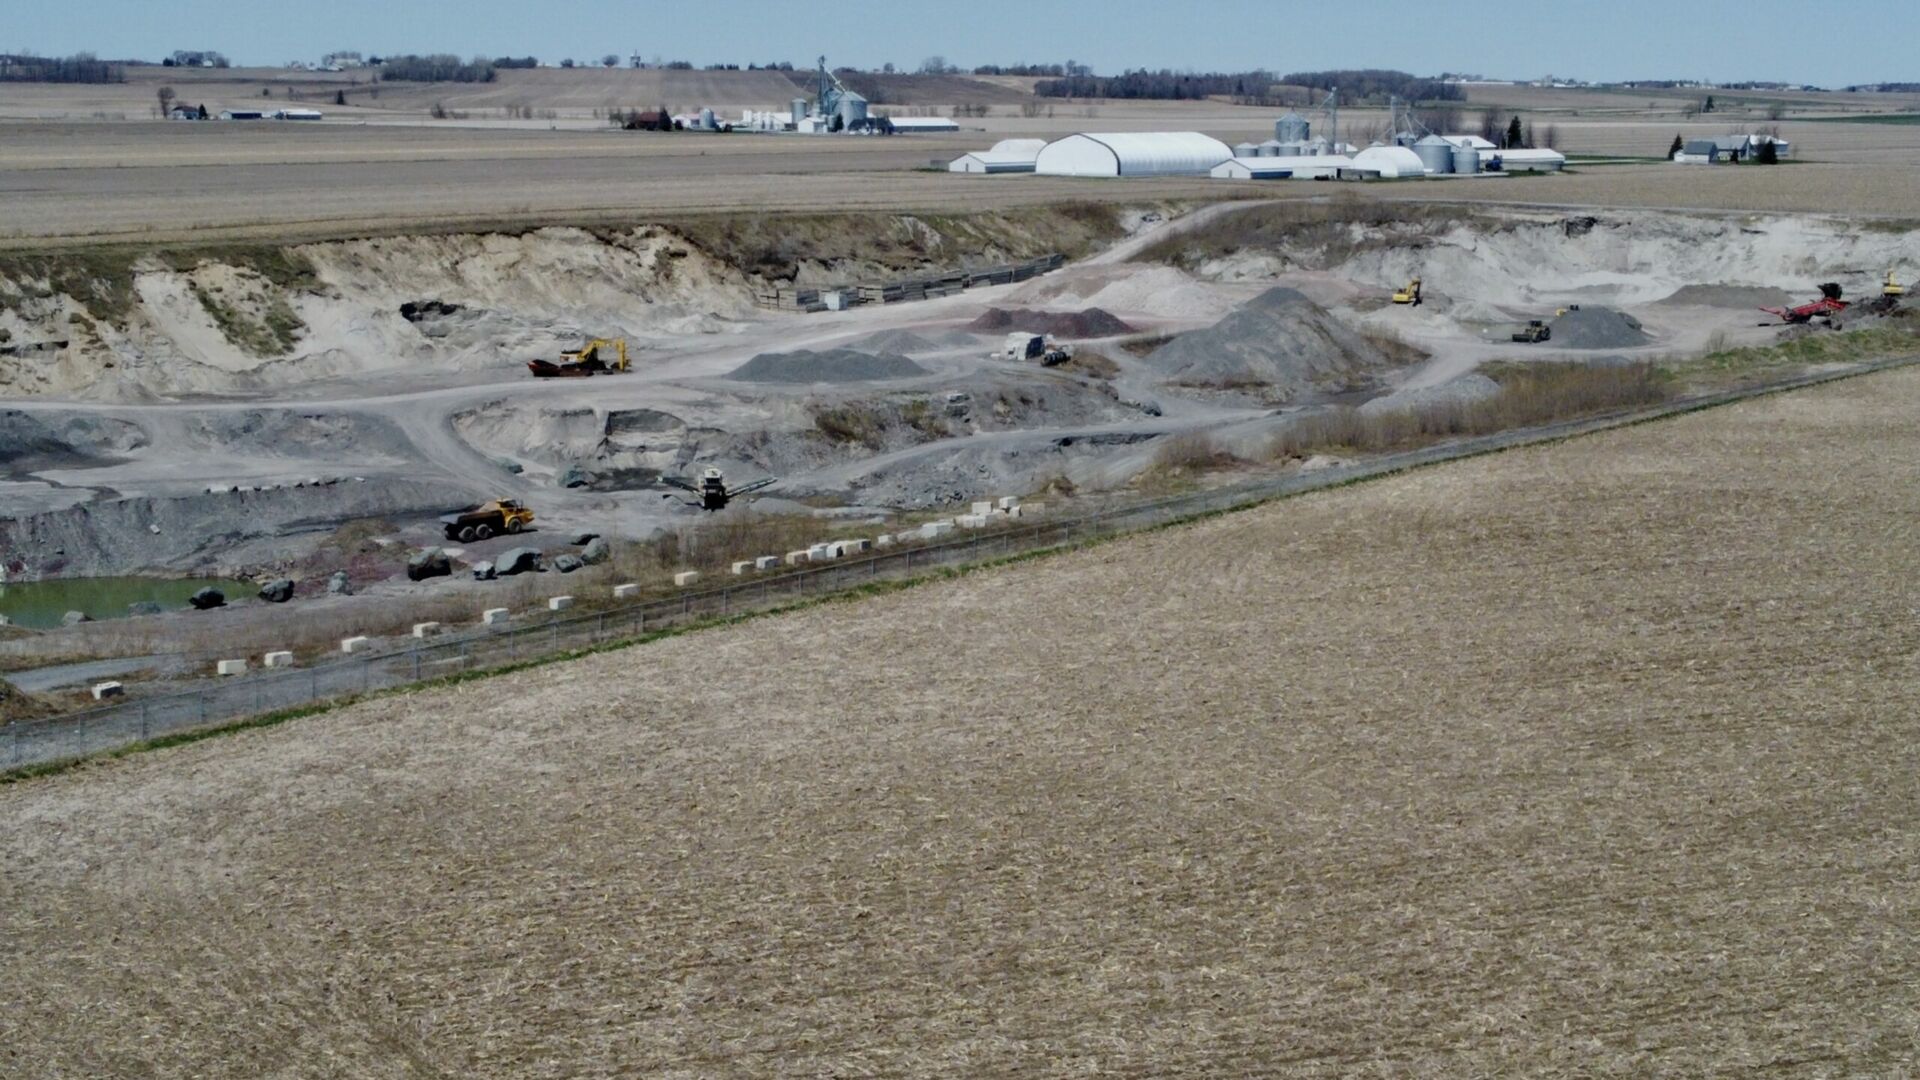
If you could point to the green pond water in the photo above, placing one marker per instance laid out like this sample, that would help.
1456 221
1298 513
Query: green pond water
42 604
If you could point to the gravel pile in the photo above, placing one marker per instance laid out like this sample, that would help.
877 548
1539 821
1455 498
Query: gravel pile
1728 296
1092 323
895 342
825 366
1281 343
1598 328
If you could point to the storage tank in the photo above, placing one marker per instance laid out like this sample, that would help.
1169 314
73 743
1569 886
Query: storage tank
853 111
799 110
1436 155
1246 149
707 122
1466 160
1292 128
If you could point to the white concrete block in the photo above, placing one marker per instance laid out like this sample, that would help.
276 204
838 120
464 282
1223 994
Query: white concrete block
742 569
625 592
105 690
277 659
1016 511
559 603
355 644
797 558
767 562
231 667
972 521
982 508
933 530
884 540
494 616
425 629
822 553
858 546
1008 502
685 578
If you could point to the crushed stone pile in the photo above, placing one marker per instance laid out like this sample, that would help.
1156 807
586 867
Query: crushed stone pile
896 342
1282 343
825 366
1462 390
1092 323
1728 296
1598 328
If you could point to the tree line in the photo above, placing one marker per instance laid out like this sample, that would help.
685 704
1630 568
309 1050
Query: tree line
1163 85
441 67
1374 86
78 68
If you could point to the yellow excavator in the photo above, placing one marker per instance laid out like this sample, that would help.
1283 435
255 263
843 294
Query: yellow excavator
589 359
1893 286
1409 295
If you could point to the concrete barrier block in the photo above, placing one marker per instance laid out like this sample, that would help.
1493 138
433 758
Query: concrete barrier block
559 603
797 558
972 521
981 509
1016 512
495 616
425 629
231 667
355 644
933 530
742 569
884 540
277 659
105 690
767 562
1008 502
685 578
822 553
857 546
625 592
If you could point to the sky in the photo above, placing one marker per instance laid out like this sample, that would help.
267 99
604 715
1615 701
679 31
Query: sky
1796 41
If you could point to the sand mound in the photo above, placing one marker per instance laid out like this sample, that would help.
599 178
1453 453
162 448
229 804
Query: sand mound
1598 328
1282 343
827 365
897 342
1155 291
1091 323
1728 296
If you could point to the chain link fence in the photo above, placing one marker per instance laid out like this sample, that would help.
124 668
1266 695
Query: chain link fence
534 636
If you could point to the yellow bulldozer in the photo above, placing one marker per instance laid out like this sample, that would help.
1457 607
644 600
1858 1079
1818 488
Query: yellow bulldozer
1409 294
601 356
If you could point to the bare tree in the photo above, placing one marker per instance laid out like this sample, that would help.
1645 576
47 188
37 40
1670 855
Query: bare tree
1550 137
934 65
1777 111
610 60
166 96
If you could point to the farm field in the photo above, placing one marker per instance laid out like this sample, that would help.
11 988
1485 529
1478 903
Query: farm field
1595 758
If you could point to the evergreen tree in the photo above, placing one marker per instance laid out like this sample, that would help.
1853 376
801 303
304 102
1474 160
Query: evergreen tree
1673 151
1513 134
1769 153
1708 107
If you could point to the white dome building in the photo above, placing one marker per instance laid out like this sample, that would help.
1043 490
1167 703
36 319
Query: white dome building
1132 153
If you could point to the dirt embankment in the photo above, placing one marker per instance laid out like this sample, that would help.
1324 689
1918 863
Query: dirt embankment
131 325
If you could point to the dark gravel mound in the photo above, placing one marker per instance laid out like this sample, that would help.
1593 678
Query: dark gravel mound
1067 325
1729 296
26 442
1279 345
827 365
895 342
1598 328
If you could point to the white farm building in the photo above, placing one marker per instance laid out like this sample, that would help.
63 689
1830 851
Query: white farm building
1314 167
1007 156
922 125
1132 153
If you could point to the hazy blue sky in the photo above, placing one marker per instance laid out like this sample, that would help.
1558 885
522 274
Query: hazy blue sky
1828 42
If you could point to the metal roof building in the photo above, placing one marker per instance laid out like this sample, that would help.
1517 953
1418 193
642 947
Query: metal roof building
1316 167
1132 153
1528 160
1029 147
986 161
914 125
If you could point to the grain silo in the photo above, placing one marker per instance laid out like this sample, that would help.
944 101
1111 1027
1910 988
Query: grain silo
1436 155
1292 128
853 111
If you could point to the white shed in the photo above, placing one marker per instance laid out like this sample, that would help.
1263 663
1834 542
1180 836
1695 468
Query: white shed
1529 160
1132 153
1390 162
922 125
1313 167
986 161
1029 147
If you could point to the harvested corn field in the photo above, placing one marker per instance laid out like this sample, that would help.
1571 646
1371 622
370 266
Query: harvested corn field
1596 758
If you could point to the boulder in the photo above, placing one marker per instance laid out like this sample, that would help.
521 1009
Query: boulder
145 607
597 551
277 592
338 585
575 477
567 564
483 571
75 618
431 563
513 467
584 538
518 561
207 599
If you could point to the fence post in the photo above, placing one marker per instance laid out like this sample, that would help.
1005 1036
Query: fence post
416 663
143 722
600 627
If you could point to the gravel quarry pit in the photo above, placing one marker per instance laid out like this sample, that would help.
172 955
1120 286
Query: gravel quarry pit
404 392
